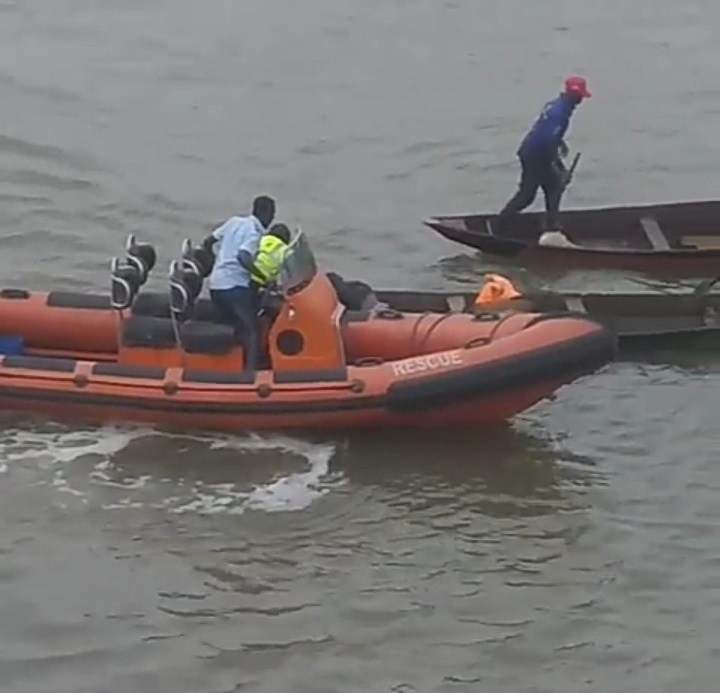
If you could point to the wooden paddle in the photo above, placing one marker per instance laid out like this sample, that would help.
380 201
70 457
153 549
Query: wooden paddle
571 170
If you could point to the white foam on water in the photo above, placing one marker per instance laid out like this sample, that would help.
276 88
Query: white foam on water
55 447
297 491
293 492
56 450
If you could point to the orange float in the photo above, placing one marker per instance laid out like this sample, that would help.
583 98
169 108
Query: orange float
103 359
496 289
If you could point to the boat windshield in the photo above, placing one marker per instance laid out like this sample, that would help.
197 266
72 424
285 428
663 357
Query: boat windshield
298 266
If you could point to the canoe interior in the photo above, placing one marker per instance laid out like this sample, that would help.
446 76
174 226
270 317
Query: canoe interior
661 227
627 314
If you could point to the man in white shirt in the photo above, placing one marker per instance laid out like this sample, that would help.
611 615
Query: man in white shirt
230 283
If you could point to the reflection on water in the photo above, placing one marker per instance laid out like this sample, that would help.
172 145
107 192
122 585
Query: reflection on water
505 472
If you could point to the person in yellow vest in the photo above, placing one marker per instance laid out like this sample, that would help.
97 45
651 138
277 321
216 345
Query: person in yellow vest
270 256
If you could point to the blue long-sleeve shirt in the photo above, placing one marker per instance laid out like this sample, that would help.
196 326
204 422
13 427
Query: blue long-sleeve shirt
546 134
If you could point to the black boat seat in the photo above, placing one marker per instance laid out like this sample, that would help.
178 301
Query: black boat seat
157 305
197 337
142 255
207 338
125 281
185 287
128 276
199 260
157 333
151 304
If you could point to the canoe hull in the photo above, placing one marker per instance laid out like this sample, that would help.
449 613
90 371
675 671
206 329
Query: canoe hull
643 322
680 239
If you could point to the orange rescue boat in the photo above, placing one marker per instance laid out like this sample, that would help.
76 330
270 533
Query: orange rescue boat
120 358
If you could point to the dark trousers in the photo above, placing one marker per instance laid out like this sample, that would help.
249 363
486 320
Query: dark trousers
239 307
548 174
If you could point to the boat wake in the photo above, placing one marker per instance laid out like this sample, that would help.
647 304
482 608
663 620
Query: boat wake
291 492
133 468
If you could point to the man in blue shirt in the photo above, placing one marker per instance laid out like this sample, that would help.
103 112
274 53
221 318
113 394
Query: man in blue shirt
230 283
540 152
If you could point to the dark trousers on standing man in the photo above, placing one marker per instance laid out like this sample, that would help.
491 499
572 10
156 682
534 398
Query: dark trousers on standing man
546 173
239 307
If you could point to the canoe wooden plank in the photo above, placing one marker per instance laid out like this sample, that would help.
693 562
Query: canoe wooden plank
654 233
575 304
702 242
456 304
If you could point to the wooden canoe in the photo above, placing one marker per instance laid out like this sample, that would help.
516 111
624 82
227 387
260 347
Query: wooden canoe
643 322
679 239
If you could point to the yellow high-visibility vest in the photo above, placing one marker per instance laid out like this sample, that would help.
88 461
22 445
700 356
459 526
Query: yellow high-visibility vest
268 260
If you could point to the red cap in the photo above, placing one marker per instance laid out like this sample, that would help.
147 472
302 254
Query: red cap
577 85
